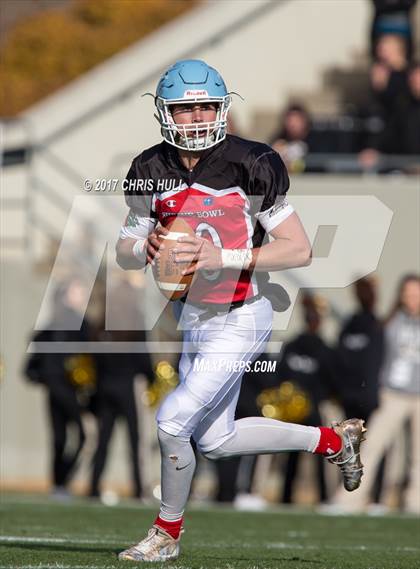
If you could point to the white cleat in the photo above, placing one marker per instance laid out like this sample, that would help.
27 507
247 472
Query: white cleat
157 546
348 460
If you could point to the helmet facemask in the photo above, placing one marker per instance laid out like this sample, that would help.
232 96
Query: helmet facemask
194 136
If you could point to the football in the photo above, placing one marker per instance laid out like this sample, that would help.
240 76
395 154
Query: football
168 274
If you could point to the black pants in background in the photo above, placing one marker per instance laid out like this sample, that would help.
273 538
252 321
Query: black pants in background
292 465
115 400
65 415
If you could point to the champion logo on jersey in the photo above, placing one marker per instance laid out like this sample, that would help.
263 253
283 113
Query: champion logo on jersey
208 201
171 203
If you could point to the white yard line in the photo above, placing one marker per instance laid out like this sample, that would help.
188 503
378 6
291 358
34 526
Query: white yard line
63 566
60 566
27 539
283 545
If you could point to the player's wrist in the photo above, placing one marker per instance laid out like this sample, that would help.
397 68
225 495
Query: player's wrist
238 259
139 250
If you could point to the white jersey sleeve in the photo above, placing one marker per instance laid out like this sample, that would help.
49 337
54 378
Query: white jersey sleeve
137 226
275 214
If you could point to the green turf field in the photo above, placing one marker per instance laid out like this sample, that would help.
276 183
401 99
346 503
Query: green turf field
40 533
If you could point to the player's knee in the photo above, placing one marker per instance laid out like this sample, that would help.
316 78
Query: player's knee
164 437
168 441
168 413
214 444
176 412
215 454
219 448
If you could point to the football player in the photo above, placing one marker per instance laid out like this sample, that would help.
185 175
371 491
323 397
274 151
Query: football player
214 181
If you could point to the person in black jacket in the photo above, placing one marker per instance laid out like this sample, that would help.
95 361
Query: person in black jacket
295 138
359 357
308 364
395 103
360 354
56 372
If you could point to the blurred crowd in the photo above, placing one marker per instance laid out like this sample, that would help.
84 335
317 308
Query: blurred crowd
371 371
79 383
379 131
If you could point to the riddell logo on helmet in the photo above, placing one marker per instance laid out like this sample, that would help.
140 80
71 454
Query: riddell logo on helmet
195 93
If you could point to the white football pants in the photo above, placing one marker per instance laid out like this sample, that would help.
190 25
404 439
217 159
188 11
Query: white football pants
215 353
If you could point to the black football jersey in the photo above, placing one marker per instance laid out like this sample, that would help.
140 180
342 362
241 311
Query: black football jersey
232 196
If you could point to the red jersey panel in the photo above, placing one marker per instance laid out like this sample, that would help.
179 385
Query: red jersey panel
223 217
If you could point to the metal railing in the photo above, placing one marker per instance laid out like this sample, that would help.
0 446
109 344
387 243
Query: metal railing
330 163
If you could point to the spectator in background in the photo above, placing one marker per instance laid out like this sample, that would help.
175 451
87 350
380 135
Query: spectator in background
116 375
412 130
115 398
399 398
66 377
392 17
395 102
307 363
294 140
359 358
360 353
389 72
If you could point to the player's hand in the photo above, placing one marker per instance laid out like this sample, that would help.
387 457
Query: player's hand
201 252
154 245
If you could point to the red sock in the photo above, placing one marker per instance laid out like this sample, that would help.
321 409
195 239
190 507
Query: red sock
173 528
329 442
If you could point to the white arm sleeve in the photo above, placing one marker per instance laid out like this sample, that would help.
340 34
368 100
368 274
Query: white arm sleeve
275 214
136 226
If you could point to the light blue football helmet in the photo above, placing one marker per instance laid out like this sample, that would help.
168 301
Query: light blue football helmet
192 81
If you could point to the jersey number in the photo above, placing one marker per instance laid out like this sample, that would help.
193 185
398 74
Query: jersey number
200 229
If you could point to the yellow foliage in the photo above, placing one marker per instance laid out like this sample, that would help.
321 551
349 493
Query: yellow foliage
47 51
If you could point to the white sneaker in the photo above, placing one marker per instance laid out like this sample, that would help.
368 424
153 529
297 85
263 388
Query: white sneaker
334 509
157 546
249 502
377 510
